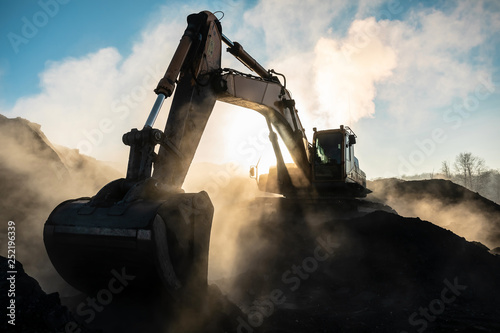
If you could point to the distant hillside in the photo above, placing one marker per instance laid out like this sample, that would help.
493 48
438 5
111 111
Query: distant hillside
443 203
35 176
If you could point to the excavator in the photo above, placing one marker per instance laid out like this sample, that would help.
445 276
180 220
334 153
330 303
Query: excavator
145 224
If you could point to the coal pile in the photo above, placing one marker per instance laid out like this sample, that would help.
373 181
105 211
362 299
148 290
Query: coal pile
34 310
443 203
377 273
35 176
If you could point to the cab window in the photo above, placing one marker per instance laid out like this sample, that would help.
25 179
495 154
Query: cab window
328 156
329 148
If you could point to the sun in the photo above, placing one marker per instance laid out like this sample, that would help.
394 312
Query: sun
238 135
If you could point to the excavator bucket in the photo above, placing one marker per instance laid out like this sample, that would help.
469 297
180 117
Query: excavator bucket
156 243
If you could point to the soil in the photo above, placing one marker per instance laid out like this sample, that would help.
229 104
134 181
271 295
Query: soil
377 273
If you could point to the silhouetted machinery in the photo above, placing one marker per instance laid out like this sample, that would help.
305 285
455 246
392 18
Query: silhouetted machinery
145 223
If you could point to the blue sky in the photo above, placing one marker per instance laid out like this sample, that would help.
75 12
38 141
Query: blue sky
78 27
418 81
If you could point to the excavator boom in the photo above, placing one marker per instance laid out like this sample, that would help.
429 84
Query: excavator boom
145 222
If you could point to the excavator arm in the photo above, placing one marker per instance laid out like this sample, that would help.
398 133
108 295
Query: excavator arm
201 81
193 101
271 99
145 223
195 69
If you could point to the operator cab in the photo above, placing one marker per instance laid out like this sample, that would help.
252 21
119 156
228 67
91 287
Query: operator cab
328 155
334 166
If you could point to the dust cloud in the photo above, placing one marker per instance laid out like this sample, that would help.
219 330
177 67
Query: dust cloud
445 204
259 242
36 176
231 192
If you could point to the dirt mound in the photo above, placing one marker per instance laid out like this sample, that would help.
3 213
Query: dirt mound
33 309
26 152
107 311
377 273
443 203
35 177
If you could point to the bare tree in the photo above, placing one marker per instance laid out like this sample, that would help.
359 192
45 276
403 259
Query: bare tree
480 176
445 169
462 161
469 169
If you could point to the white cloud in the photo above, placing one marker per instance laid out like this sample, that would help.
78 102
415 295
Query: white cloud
89 102
74 92
332 80
344 82
416 67
435 59
409 69
290 26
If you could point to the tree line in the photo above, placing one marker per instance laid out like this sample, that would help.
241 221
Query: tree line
471 172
